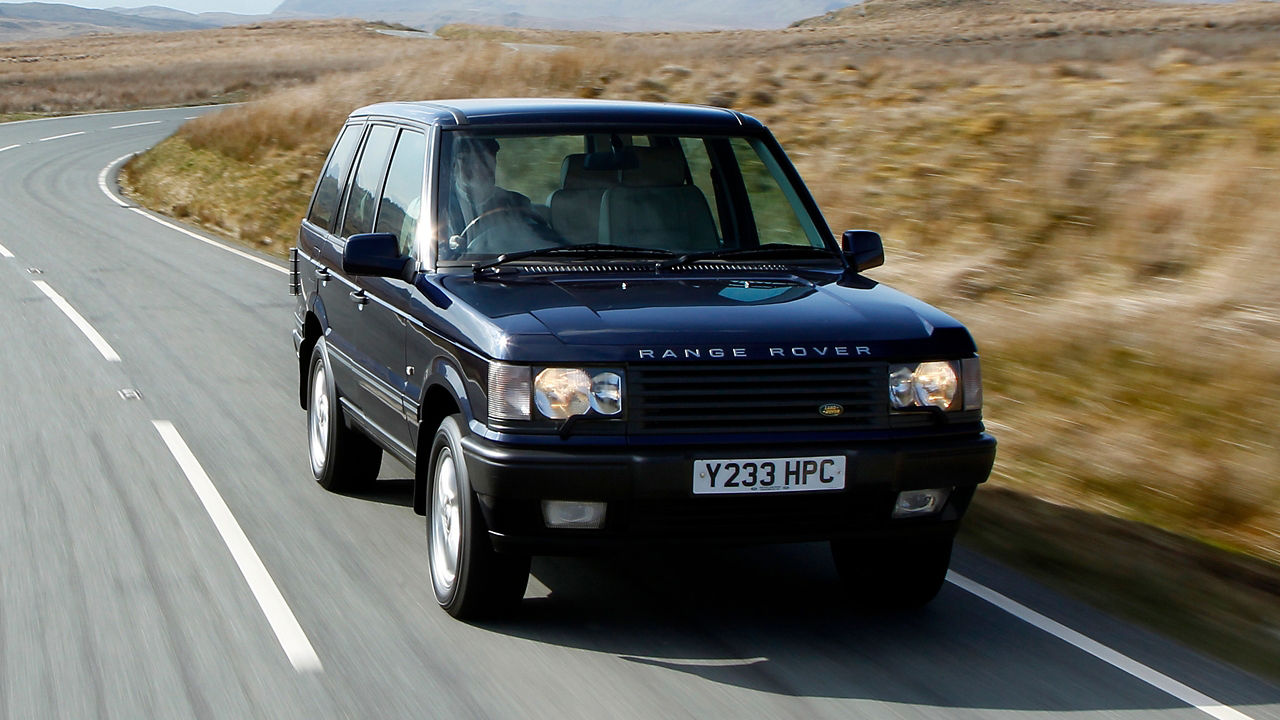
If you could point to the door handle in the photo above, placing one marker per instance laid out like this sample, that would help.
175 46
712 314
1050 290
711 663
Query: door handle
322 274
358 297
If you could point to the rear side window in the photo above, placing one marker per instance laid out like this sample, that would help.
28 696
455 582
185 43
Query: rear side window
362 201
329 190
401 204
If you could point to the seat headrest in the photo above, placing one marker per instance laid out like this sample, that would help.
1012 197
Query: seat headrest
574 174
657 166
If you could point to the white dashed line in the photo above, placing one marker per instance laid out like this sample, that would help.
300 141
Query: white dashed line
4 252
137 124
102 183
59 137
1158 680
9 147
282 620
98 341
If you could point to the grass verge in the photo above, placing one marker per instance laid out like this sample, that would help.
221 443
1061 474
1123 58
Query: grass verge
1218 601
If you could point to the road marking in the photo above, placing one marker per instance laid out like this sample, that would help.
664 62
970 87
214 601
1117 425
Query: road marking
282 620
4 252
102 183
102 180
1158 680
98 341
9 147
137 124
113 112
59 137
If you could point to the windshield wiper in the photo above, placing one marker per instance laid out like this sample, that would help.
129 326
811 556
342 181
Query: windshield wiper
772 249
587 249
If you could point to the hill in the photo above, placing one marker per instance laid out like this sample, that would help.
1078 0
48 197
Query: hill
36 20
569 14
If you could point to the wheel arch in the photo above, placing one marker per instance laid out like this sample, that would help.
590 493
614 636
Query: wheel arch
440 399
313 326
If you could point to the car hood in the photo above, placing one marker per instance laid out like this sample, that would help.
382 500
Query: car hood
662 317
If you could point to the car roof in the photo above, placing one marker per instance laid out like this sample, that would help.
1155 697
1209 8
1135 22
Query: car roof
559 111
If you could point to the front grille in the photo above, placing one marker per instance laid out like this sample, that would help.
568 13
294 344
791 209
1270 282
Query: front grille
754 397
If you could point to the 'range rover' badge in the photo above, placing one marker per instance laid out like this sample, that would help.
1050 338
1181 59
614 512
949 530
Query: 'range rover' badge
831 410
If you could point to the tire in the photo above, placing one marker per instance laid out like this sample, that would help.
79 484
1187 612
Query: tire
904 577
470 580
342 459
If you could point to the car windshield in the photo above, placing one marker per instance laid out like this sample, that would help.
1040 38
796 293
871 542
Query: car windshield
658 194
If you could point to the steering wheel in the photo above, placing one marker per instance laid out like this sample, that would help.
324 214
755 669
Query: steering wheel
484 224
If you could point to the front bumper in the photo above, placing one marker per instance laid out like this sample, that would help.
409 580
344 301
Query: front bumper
650 498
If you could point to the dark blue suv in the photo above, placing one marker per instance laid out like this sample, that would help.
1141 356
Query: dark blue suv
588 325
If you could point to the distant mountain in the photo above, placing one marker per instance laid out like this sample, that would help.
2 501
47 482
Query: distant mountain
37 20
571 14
213 19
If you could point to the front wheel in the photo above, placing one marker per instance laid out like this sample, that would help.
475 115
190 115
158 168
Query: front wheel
469 578
341 458
905 576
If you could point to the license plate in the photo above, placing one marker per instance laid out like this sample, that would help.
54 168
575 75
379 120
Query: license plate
762 475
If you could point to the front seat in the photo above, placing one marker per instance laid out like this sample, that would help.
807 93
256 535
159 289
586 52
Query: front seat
575 207
656 206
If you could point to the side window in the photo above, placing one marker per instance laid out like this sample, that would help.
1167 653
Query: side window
362 200
329 190
401 204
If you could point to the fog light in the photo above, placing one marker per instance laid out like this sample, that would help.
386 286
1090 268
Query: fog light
918 503
573 514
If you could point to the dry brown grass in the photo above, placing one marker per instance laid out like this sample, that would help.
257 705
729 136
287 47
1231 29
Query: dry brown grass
1107 229
114 72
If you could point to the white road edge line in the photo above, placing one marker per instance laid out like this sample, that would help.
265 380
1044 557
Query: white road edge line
59 137
282 620
4 252
137 124
1158 680
102 184
9 147
98 341
102 180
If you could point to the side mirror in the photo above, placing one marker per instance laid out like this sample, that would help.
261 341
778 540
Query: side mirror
375 254
864 249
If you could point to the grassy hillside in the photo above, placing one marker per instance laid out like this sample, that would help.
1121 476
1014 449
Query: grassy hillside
117 72
1092 192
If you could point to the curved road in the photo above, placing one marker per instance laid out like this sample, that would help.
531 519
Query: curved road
165 553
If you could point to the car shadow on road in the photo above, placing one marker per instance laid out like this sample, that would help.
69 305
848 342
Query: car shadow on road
389 489
775 619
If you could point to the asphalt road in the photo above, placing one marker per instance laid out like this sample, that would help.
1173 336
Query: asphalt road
168 555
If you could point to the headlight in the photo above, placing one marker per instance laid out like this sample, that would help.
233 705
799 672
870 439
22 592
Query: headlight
606 393
927 384
561 393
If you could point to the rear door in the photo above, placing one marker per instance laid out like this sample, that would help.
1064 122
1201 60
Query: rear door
365 339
